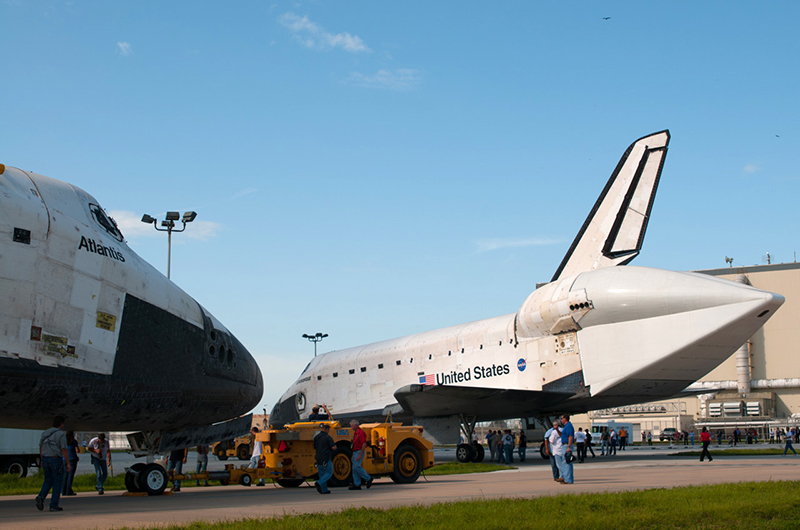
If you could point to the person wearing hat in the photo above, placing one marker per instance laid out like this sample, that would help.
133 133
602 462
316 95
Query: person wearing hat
324 447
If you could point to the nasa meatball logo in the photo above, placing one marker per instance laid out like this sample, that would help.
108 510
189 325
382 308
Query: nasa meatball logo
521 364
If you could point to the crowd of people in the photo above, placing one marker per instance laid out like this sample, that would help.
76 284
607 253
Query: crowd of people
562 444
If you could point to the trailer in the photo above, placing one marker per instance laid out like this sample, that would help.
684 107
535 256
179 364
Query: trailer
19 449
393 450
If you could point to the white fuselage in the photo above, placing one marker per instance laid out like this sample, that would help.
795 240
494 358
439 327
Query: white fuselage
618 335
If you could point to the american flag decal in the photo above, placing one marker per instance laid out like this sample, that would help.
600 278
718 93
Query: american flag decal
429 379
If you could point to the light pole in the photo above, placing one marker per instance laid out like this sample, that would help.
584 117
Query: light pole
169 226
317 337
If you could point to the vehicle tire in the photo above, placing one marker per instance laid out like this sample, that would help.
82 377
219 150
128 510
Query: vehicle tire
342 460
152 479
132 476
222 454
407 464
290 482
15 467
245 479
542 452
243 452
478 452
464 453
224 482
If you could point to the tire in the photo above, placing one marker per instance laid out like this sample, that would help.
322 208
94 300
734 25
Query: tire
15 467
290 482
464 453
243 452
342 460
478 452
222 454
245 479
542 452
131 477
407 464
224 482
152 479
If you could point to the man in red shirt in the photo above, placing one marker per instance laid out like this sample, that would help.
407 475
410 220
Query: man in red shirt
705 439
359 444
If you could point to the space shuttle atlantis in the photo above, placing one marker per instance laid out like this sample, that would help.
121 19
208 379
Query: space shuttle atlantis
91 331
598 335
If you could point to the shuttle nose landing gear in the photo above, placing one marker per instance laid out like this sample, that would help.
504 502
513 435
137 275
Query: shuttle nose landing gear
472 451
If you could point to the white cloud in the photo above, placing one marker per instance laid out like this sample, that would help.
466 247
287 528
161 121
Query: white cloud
486 245
751 168
124 48
400 79
313 36
132 227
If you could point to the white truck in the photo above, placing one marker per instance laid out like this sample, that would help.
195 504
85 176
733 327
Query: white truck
19 449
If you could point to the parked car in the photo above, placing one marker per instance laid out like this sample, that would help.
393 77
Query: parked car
667 434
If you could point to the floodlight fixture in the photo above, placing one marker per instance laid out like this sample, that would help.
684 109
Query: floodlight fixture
315 338
168 226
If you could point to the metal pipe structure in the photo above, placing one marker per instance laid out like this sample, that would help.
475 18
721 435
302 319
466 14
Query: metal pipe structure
743 354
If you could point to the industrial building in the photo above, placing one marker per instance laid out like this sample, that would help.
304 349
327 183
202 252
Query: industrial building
758 387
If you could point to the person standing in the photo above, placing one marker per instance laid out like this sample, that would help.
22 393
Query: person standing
552 446
101 459
258 450
177 458
580 443
359 447
72 451
53 454
604 450
612 442
489 440
705 440
498 446
523 445
323 448
567 441
623 438
788 435
508 446
202 463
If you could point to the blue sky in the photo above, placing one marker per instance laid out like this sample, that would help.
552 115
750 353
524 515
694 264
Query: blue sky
374 169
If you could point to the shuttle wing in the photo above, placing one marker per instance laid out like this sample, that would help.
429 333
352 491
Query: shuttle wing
442 400
614 230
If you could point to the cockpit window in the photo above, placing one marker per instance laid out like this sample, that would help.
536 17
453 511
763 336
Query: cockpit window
106 222
306 368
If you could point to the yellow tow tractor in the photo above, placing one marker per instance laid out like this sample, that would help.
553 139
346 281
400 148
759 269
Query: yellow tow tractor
239 448
393 450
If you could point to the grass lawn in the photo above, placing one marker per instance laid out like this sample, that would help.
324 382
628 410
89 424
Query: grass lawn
743 506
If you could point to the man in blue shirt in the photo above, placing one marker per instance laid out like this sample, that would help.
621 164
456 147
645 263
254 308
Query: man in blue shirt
567 441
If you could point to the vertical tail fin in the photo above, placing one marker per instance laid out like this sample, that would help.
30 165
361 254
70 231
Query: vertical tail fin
614 230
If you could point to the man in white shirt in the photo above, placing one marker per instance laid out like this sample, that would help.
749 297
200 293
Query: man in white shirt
580 441
258 450
612 442
101 459
554 449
